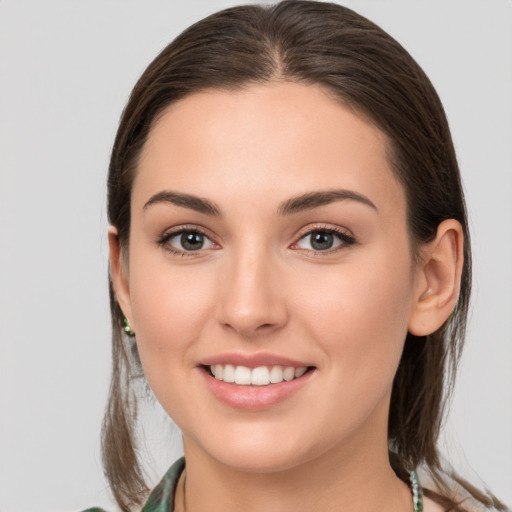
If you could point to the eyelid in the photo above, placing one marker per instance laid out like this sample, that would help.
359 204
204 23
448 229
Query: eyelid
345 235
166 236
324 227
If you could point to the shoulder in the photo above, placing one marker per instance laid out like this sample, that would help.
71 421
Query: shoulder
458 502
161 498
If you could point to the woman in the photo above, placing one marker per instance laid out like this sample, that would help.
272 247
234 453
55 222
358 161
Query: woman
290 268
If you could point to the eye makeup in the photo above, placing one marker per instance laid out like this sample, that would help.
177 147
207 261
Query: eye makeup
323 240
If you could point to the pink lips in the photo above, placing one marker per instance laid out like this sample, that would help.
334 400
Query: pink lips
253 360
253 398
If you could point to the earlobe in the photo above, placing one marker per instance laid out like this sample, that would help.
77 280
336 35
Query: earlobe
119 273
438 281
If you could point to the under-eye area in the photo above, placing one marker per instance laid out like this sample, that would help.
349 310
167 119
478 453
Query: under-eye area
259 376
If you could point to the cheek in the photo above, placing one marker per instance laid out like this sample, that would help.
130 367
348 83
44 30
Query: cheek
171 307
359 317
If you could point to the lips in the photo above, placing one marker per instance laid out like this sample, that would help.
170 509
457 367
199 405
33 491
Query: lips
253 360
255 381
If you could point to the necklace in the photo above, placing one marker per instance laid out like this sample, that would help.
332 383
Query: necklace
417 495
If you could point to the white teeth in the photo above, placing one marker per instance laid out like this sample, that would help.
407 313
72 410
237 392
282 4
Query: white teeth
276 374
289 373
260 376
219 371
229 373
299 372
242 375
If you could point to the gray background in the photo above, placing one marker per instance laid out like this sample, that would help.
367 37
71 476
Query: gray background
66 68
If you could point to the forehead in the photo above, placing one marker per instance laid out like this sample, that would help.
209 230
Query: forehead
267 141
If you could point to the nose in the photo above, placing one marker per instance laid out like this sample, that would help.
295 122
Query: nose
252 295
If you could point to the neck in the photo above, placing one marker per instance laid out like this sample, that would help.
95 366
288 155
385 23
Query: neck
340 480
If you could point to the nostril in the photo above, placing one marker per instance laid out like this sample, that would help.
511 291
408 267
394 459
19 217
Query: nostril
249 328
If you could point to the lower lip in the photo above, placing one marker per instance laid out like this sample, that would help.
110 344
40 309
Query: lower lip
254 397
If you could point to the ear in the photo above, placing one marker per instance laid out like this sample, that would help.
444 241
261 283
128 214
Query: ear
438 279
119 274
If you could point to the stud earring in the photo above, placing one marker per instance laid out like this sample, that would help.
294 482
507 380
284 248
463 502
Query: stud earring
127 328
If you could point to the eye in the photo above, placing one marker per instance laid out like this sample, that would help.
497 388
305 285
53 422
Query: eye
185 241
324 240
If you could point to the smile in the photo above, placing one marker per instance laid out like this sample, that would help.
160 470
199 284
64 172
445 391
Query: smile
259 376
257 381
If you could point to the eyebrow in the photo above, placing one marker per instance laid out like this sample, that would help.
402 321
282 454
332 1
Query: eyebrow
195 203
293 205
312 200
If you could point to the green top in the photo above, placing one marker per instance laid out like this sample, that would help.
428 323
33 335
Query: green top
161 498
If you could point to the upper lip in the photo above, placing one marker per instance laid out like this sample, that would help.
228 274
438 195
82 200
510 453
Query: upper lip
253 360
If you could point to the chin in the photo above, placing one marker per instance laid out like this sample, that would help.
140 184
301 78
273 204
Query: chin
256 461
258 451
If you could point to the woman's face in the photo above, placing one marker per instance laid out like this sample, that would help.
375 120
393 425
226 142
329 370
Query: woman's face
268 231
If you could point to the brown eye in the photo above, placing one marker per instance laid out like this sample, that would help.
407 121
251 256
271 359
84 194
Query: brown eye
191 241
324 240
186 241
321 240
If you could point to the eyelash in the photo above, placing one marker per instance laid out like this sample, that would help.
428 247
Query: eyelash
164 239
345 238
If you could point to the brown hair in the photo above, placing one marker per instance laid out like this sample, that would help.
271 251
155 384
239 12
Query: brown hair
367 70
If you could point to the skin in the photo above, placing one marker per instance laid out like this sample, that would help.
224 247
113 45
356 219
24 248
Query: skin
257 286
